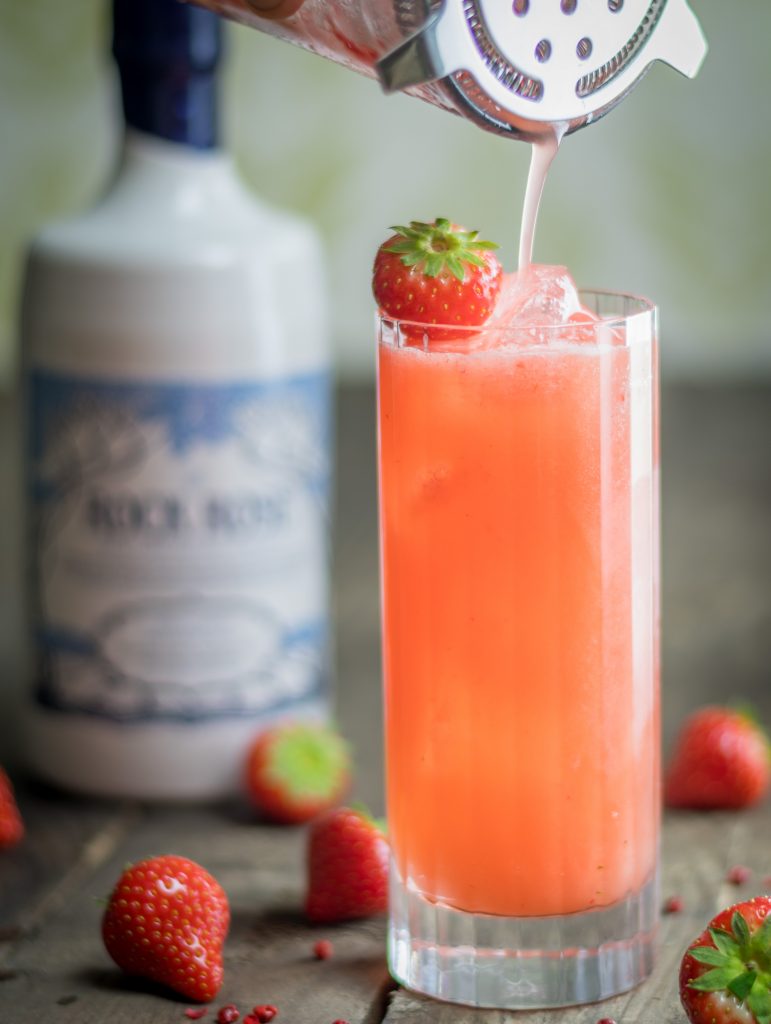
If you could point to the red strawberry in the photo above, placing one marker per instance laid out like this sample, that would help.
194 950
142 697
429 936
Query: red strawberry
436 274
11 825
724 974
296 771
166 920
347 867
721 760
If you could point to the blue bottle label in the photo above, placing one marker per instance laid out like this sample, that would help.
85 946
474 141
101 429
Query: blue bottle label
180 551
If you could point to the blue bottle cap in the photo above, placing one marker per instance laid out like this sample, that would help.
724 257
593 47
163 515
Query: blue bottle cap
167 54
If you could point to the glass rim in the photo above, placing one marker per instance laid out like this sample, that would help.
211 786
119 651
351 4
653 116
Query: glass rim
640 308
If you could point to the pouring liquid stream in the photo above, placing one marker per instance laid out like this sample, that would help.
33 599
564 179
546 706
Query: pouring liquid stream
543 152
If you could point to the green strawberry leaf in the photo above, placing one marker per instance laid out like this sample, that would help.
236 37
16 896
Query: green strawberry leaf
761 940
710 955
724 942
715 980
455 266
759 1001
740 929
742 985
403 245
434 263
434 248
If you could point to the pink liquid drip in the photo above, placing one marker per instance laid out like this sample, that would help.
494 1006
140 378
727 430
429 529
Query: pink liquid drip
544 150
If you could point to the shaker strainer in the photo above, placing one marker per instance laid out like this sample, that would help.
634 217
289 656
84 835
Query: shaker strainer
516 66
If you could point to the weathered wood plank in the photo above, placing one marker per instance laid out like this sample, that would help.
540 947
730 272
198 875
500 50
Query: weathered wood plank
269 951
62 838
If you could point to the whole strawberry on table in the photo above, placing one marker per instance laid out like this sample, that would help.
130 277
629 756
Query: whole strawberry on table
297 770
725 975
347 867
11 824
720 761
166 920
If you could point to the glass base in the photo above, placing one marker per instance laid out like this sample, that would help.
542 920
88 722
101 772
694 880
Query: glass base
517 963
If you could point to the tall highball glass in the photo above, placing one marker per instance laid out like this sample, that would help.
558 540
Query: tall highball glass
519 554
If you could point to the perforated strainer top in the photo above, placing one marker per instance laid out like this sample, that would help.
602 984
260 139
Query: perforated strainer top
526 63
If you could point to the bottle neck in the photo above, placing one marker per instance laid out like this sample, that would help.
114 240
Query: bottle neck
167 54
177 106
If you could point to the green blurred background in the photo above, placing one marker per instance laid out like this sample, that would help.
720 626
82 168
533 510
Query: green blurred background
669 195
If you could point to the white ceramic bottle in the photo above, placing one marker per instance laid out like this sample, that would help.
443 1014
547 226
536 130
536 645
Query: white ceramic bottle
178 396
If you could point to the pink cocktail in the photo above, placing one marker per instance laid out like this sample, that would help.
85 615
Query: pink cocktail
519 531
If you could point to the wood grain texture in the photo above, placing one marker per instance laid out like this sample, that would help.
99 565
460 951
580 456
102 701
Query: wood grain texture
717 645
269 949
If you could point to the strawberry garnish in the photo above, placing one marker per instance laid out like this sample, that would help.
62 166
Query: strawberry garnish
296 771
347 867
167 920
726 972
11 825
436 274
720 760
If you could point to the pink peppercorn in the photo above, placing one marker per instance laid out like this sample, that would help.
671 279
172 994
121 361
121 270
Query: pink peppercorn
323 949
673 905
738 875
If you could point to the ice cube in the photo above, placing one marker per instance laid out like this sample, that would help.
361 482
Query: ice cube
538 296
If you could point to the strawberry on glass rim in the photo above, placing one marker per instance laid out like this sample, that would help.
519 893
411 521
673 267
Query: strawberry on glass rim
438 275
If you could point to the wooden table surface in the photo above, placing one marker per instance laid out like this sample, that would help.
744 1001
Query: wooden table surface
717 645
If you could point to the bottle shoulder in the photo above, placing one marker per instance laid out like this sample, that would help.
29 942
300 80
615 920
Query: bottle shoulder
179 271
170 206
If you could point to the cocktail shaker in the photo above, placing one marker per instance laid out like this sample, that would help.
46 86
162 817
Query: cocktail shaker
514 67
